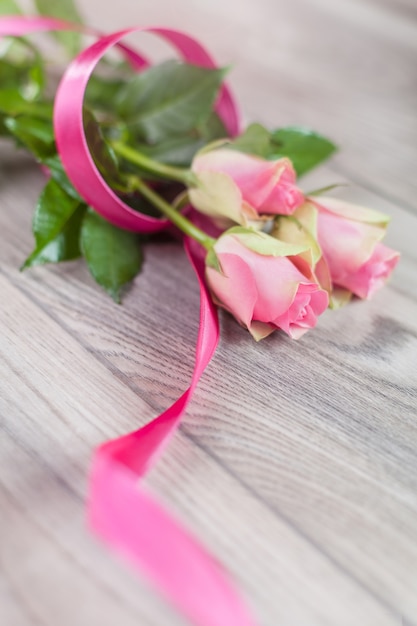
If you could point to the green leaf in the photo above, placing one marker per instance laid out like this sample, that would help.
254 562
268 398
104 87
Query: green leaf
35 81
213 128
65 246
59 175
64 10
101 93
13 103
179 151
56 225
170 99
255 140
37 135
34 133
9 7
102 154
10 73
22 69
304 147
113 255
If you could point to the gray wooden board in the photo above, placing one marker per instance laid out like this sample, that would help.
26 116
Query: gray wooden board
297 461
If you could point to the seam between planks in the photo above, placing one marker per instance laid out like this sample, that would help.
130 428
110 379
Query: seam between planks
212 455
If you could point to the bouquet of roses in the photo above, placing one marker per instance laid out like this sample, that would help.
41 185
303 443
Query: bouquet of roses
275 257
133 150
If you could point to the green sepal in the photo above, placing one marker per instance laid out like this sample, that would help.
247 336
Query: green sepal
264 244
322 190
300 228
56 227
339 297
114 256
213 261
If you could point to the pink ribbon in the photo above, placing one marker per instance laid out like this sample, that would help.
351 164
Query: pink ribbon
121 510
69 130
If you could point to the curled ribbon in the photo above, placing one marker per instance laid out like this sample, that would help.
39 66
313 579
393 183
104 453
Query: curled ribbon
121 510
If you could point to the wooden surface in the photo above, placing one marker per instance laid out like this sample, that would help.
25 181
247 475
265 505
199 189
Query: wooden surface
297 461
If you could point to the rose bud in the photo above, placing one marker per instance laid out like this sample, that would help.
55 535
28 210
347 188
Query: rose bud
243 188
255 278
349 236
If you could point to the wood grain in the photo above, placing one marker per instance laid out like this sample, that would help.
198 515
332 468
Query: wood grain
297 461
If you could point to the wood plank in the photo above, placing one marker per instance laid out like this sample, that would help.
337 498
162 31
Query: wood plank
50 560
297 462
327 469
53 410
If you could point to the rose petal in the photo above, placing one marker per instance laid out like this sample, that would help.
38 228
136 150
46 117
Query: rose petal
373 274
346 244
255 177
277 279
309 302
263 291
234 288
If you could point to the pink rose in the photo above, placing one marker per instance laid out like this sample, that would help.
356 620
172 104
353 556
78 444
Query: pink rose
243 188
251 275
349 237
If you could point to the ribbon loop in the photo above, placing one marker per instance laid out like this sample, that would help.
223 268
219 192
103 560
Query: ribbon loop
69 129
120 509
